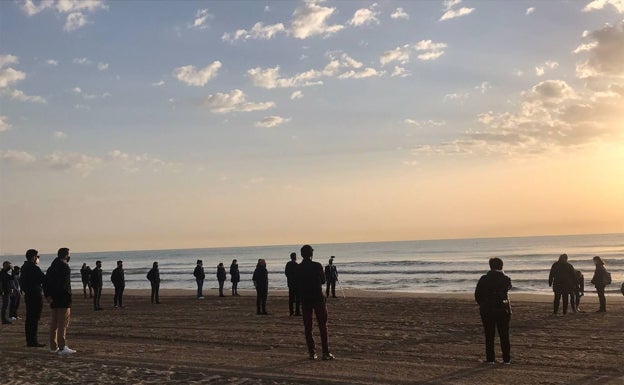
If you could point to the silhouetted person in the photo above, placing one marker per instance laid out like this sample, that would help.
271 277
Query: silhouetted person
221 277
310 280
199 275
495 310
57 290
6 276
16 293
578 291
31 281
119 282
261 283
234 277
291 278
562 280
154 278
85 275
96 284
600 280
331 274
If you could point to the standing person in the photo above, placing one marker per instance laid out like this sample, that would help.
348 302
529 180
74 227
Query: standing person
331 274
200 275
261 282
291 278
234 277
85 274
16 293
6 276
96 284
562 280
119 282
578 291
495 310
221 277
600 280
154 277
31 281
310 280
57 290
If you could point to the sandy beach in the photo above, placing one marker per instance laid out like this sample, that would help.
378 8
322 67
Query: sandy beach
377 338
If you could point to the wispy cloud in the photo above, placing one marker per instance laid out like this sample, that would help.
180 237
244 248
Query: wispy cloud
428 50
22 97
16 157
365 16
74 10
530 11
296 95
601 4
452 10
234 101
192 76
202 16
399 13
259 31
272 121
60 135
4 124
311 19
81 163
541 69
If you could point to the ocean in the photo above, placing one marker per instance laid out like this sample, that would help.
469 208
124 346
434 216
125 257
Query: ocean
430 266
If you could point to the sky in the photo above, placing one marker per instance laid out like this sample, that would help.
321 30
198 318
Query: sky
128 125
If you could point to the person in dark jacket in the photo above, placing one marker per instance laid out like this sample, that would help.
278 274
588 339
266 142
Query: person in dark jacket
57 291
291 279
310 280
221 277
563 281
85 275
495 310
119 282
578 291
16 293
31 282
234 277
154 277
96 284
331 274
261 283
199 275
6 276
600 280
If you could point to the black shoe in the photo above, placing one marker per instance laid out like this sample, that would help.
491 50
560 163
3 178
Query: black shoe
328 356
36 345
265 313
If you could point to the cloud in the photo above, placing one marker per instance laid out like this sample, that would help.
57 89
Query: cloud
424 123
4 124
102 66
81 163
6 60
52 62
10 76
484 87
133 163
606 54
310 19
452 12
296 95
402 54
16 157
75 20
600 4
60 135
541 70
460 97
236 100
158 83
361 74
433 50
399 13
82 61
74 9
400 72
194 77
22 97
201 19
258 32
365 16
271 121
530 11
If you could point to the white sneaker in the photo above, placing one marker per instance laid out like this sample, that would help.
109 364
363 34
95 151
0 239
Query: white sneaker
200 297
13 319
66 351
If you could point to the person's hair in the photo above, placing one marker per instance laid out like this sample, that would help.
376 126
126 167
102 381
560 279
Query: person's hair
63 252
5 264
220 264
261 262
599 260
563 258
31 254
496 263
119 262
98 262
293 256
306 251
155 264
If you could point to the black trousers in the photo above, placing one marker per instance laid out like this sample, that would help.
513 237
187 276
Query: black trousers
561 295
261 300
97 294
6 303
118 299
15 302
601 298
497 319
155 289
34 306
332 286
293 300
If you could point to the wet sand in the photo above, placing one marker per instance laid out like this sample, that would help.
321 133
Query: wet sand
377 338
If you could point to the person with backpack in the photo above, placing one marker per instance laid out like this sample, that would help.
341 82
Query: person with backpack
601 279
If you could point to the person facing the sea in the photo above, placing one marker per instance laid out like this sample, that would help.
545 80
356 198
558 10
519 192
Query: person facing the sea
578 291
495 310
58 293
16 293
310 280
331 274
153 277
199 275
221 277
119 282
85 275
234 277
96 284
31 282
260 280
5 282
600 280
291 278
563 280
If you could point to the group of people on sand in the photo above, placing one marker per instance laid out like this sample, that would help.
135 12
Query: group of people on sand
492 290
92 280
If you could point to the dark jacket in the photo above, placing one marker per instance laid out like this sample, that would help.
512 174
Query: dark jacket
58 284
96 277
261 278
221 275
331 274
491 292
562 277
310 280
5 281
118 277
154 275
600 277
199 272
85 274
234 273
31 279
291 273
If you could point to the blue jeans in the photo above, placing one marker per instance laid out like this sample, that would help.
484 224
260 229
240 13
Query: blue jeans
200 286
